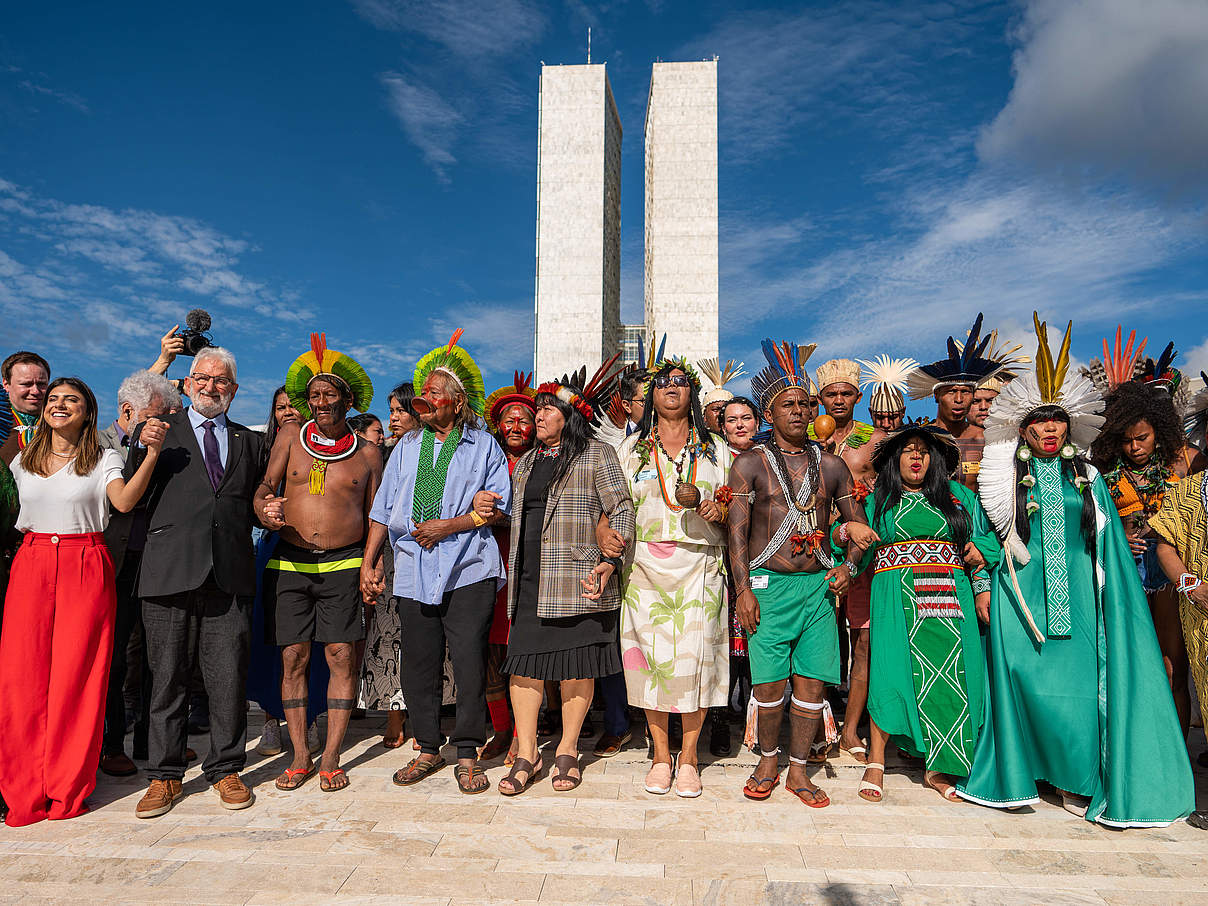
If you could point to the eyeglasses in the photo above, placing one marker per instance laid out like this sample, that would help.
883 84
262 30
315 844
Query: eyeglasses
640 399
664 381
220 383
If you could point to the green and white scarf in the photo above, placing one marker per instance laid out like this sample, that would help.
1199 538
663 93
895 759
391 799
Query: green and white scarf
1049 482
431 476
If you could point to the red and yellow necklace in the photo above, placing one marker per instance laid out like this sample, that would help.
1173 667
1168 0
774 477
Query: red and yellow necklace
324 450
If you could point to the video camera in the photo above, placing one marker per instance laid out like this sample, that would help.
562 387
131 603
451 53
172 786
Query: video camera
196 334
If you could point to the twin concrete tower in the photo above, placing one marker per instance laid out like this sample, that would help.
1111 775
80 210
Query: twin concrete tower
578 308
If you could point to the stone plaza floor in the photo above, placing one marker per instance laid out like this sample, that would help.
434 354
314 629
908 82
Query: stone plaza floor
608 842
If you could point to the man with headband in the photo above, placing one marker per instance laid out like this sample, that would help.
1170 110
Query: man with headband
312 585
785 561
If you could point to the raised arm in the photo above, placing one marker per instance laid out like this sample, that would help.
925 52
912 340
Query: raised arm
125 493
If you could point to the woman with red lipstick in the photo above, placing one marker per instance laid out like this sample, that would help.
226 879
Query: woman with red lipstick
930 583
1078 695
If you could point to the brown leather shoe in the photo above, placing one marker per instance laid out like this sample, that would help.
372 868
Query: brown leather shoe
161 795
233 792
118 765
610 745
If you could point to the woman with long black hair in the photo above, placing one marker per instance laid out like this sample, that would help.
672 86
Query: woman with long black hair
930 584
563 593
1078 695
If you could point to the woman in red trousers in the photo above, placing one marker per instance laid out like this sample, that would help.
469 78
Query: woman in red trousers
57 636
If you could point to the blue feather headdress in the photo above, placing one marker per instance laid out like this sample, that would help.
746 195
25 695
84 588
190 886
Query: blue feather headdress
966 364
786 368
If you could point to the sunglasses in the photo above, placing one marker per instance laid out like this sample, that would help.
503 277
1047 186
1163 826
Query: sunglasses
664 381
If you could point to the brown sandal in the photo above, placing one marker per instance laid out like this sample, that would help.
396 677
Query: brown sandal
468 779
416 770
562 768
518 787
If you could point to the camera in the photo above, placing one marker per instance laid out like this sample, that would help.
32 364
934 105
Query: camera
196 334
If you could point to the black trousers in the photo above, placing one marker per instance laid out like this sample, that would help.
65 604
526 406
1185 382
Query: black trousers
463 620
214 627
127 616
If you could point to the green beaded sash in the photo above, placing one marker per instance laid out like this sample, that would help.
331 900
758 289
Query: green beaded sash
431 476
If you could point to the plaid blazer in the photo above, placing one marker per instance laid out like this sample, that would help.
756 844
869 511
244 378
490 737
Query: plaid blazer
594 484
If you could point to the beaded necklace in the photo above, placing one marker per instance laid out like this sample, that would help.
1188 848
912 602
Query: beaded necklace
431 475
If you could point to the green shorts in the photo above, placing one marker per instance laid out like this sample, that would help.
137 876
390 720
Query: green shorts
797 633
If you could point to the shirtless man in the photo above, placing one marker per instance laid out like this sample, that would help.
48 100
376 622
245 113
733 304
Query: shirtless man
854 442
954 404
312 584
983 398
784 565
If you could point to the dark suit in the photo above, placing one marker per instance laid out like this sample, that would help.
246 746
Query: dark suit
197 580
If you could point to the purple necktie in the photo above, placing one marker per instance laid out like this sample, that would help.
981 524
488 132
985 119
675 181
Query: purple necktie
213 461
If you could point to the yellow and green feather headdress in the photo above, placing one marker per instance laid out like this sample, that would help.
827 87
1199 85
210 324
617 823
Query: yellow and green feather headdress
459 365
319 361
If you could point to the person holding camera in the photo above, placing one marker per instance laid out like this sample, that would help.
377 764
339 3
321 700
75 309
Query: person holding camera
59 607
197 582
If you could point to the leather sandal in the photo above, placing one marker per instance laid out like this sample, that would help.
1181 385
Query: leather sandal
468 779
867 786
562 768
518 786
416 770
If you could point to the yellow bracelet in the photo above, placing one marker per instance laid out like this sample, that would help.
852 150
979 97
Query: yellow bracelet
478 521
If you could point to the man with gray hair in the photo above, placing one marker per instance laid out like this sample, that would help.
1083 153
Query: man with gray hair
141 396
197 581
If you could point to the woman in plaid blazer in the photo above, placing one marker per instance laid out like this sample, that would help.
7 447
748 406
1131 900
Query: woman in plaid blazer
563 594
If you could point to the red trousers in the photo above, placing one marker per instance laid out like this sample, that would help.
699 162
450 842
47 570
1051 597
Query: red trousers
55 649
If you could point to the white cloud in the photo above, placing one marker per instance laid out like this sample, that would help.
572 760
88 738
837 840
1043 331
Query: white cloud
426 117
1113 87
471 29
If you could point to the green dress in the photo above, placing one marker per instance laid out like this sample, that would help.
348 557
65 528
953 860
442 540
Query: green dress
927 673
1090 709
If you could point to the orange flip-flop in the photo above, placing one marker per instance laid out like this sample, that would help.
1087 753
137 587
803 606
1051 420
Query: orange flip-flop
757 792
288 776
326 778
813 801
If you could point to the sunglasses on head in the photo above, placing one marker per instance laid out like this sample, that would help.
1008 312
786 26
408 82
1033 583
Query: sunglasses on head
671 380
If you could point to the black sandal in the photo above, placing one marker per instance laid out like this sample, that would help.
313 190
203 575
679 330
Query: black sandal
416 770
520 764
562 766
467 779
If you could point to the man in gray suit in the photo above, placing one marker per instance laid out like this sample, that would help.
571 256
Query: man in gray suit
143 395
197 582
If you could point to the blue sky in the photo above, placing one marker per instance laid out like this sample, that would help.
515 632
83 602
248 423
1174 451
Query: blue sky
368 168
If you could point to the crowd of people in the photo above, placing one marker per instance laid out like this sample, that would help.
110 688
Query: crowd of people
1013 592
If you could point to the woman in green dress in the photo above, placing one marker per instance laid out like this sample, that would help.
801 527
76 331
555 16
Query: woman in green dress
930 582
1078 695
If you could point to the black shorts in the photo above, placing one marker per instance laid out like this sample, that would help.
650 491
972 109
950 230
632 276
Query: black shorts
313 596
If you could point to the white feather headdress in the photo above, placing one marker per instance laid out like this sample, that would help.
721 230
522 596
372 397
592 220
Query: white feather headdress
887 377
1046 386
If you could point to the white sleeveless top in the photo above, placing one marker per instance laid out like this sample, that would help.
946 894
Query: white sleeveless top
66 503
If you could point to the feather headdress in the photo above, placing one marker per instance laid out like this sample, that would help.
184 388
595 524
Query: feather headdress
648 358
1046 386
718 375
341 369
838 371
967 364
588 398
518 393
1161 373
887 377
1006 354
454 361
785 369
1119 364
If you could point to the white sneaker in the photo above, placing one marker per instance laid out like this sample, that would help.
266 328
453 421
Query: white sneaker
312 739
270 739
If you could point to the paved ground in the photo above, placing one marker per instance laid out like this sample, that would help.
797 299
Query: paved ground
608 842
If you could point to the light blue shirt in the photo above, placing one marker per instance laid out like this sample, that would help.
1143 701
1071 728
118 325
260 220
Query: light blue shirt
220 432
463 558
